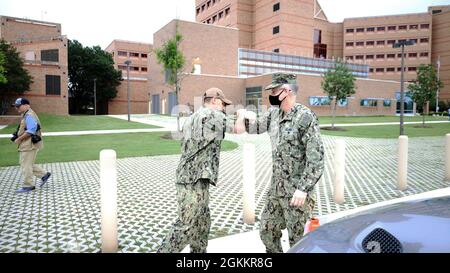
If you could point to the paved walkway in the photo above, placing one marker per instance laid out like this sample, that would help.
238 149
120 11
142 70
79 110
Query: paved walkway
168 123
65 215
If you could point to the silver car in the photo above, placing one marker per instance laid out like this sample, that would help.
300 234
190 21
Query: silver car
420 226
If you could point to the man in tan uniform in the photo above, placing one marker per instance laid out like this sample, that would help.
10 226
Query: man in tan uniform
29 141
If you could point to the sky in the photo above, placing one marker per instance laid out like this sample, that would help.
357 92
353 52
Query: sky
98 22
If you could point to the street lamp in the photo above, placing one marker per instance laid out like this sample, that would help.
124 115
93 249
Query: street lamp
95 96
128 62
402 44
437 93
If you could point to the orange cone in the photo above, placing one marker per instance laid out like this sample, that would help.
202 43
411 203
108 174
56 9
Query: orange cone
311 225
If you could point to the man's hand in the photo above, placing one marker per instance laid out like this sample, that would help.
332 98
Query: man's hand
18 141
298 199
251 116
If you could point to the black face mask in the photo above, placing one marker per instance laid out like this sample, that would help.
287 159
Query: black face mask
275 100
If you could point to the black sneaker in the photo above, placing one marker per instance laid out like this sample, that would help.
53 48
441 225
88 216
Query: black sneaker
25 189
45 178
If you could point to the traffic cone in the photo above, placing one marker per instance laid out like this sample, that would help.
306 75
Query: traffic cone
311 225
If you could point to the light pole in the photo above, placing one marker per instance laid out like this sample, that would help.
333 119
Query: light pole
402 44
438 87
95 96
128 62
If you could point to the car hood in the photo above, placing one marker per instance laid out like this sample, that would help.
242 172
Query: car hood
420 226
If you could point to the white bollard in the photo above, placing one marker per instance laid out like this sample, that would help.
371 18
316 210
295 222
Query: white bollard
249 177
108 196
447 157
339 171
402 182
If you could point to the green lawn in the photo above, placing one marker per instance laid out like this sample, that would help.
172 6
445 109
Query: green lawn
391 131
54 123
88 147
376 119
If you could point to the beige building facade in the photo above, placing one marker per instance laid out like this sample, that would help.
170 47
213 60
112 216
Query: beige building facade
211 53
302 28
44 51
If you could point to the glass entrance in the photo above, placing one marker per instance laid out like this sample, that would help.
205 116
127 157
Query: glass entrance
409 104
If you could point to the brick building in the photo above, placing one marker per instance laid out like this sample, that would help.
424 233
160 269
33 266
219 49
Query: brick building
44 51
138 54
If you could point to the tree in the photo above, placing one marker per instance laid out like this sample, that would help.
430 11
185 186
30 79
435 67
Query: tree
338 83
18 80
173 61
85 65
424 88
2 68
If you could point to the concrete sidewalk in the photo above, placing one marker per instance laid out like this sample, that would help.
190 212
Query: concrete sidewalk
96 132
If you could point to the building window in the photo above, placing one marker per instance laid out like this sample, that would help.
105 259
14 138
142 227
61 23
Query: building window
370 29
369 102
360 57
134 68
381 28
30 56
436 11
392 28
390 56
402 27
380 42
425 26
349 57
370 70
349 30
369 57
208 21
400 55
276 50
214 19
424 40
412 69
203 7
227 11
390 69
52 85
391 42
318 101
370 43
413 40
143 55
276 30
51 55
359 43
198 11
380 56
387 103
134 54
122 53
349 44
143 69
423 54
208 4
412 55
379 70
413 26
320 50
399 69
360 30
220 15
276 7
342 102
122 67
